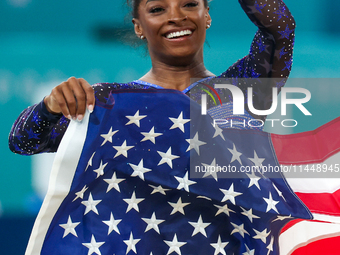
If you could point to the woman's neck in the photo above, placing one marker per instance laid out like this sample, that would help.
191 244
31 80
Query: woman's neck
175 77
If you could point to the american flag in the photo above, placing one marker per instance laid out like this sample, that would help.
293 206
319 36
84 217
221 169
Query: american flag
121 184
312 162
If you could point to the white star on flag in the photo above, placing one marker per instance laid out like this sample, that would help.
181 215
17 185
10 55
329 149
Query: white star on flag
122 150
218 131
219 246
90 161
178 207
230 194
278 217
270 245
131 244
253 180
223 209
235 155
271 203
257 161
195 144
279 192
113 183
174 245
135 119
261 235
150 136
204 197
69 227
133 202
158 189
80 194
93 246
239 229
112 224
248 252
184 182
152 223
211 169
108 136
199 227
179 122
167 157
249 214
91 205
100 170
139 170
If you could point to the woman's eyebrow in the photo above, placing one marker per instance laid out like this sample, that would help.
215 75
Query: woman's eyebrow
151 1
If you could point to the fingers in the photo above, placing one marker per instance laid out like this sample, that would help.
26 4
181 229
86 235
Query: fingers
76 98
71 98
90 99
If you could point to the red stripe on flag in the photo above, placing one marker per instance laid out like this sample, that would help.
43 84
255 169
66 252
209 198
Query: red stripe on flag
327 246
308 147
301 237
322 203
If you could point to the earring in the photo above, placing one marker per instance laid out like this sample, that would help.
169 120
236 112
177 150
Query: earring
142 37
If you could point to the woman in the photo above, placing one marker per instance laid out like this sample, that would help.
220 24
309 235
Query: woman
174 31
176 59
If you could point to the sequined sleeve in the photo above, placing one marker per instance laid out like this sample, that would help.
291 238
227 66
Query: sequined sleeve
271 51
36 130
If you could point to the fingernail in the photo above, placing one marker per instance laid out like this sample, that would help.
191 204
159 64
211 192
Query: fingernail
90 107
69 117
74 118
80 117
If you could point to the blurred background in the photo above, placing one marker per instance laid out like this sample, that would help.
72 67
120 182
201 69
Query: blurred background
42 43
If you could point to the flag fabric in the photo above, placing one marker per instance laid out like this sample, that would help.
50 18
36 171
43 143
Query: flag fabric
311 161
121 184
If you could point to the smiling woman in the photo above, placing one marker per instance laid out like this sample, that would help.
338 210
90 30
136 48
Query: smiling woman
163 24
175 32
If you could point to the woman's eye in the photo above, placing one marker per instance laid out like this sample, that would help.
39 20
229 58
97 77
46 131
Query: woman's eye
191 4
156 10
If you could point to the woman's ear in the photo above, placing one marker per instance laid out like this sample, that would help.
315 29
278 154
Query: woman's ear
137 27
208 17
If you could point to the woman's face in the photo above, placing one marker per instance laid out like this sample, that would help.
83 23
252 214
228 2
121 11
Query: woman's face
173 28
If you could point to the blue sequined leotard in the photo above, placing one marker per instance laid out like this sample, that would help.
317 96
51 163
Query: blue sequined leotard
270 56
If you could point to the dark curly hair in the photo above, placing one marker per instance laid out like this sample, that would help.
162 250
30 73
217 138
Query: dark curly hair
134 4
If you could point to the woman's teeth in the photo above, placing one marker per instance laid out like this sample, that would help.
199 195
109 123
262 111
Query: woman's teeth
178 34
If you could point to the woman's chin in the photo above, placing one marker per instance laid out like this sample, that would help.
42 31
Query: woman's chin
183 53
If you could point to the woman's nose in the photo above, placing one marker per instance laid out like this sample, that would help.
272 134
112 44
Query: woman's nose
176 16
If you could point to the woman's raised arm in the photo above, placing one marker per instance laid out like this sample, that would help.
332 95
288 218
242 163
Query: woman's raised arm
271 52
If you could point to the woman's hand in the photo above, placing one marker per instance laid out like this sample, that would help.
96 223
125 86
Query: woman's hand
71 98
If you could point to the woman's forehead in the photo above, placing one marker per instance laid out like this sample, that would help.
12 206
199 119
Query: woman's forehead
136 4
169 1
